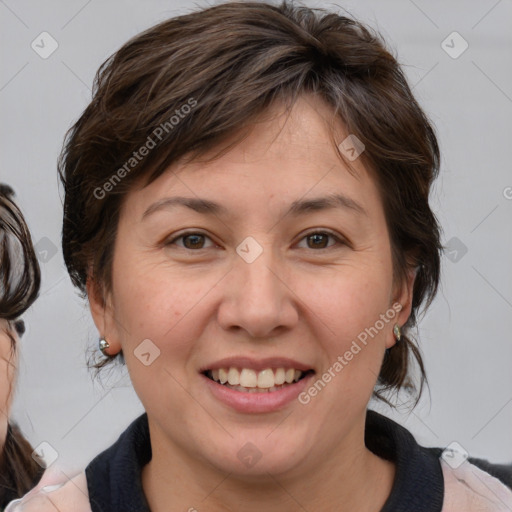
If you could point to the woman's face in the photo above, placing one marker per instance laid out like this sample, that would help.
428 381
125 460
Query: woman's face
7 374
278 275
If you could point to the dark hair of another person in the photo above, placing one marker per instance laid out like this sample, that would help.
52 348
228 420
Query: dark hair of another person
20 280
231 62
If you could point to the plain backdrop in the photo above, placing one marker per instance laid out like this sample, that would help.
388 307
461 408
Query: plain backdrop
465 336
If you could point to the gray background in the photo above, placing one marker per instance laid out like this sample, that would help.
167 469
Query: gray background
465 336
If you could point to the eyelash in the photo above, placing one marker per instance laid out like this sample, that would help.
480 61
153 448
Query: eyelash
322 232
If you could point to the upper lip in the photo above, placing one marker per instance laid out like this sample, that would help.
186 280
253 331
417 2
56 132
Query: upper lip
256 364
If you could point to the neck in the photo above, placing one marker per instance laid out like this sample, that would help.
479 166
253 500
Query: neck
346 479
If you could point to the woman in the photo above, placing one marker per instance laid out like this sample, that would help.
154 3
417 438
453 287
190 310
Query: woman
246 209
19 286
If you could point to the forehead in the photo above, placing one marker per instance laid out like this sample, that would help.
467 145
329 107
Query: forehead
306 133
285 156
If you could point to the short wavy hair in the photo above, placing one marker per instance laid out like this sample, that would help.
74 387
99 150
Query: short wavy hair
232 62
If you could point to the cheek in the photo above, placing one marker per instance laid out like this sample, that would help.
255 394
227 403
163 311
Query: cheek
4 387
349 299
346 308
159 304
158 315
7 372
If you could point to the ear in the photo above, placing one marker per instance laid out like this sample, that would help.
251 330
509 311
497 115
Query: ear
102 313
402 295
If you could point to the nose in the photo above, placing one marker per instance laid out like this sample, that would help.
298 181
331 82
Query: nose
258 297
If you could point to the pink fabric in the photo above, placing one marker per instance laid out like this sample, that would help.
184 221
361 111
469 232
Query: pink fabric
55 491
469 489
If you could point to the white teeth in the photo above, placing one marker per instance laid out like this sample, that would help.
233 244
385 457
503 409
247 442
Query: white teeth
251 381
248 378
233 377
280 377
223 376
266 379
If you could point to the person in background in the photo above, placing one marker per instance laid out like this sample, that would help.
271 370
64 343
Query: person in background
19 286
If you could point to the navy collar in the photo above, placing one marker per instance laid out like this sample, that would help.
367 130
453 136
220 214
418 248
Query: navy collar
115 484
114 477
419 483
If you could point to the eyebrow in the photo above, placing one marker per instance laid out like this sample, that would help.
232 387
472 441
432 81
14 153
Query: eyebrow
298 207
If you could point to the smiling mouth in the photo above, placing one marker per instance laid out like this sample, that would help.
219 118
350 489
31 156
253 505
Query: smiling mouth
247 380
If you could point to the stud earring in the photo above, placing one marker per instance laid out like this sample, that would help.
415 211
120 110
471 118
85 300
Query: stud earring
397 332
103 346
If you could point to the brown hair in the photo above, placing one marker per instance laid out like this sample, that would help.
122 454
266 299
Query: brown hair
231 62
19 472
20 280
20 276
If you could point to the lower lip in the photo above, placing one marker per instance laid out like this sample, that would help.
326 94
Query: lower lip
260 401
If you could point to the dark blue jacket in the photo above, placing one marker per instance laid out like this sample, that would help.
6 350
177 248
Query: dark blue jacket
114 476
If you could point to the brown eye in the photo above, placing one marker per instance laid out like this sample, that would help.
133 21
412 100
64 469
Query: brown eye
190 241
320 240
194 241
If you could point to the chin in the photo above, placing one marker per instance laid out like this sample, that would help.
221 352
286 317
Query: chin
256 456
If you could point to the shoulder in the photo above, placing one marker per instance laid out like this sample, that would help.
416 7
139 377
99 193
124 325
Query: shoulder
425 481
470 488
68 496
502 472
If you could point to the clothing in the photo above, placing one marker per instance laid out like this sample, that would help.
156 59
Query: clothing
114 477
423 481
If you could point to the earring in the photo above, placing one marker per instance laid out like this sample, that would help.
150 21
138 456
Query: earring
397 332
103 346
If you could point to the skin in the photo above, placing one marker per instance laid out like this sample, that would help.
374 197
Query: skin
8 363
295 300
